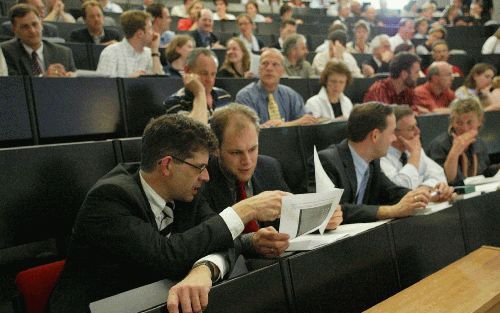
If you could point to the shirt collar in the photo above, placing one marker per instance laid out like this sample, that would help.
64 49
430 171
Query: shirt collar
129 49
39 51
359 163
156 202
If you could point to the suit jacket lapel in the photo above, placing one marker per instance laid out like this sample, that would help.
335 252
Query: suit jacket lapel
368 191
350 170
25 58
222 199
144 201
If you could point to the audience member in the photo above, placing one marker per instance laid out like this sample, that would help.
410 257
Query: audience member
28 54
237 61
161 22
190 22
360 43
330 102
399 87
48 30
252 10
246 27
421 28
143 6
145 222
181 10
460 151
435 34
94 32
204 36
356 10
382 55
55 9
295 52
492 44
478 84
427 11
370 15
110 7
286 13
436 94
354 165
336 52
201 64
275 104
177 52
336 25
287 28
404 34
406 163
133 57
449 14
221 11
410 9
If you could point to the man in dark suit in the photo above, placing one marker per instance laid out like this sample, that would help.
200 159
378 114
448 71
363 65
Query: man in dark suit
28 54
354 165
143 223
239 171
204 36
49 30
94 32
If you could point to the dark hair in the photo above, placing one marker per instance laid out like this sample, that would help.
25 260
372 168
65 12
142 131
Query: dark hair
403 47
90 3
176 135
225 2
252 2
245 16
236 112
403 21
289 21
401 111
477 69
178 41
366 117
439 42
21 10
156 9
132 21
338 35
333 67
402 62
285 8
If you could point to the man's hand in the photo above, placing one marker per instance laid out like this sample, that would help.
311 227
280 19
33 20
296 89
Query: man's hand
413 200
442 192
193 83
137 74
266 206
56 70
367 70
269 243
272 123
387 56
191 294
336 218
306 119
155 43
462 142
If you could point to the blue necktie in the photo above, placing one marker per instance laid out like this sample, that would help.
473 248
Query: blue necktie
362 187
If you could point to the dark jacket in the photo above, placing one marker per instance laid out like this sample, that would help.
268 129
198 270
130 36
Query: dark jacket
83 35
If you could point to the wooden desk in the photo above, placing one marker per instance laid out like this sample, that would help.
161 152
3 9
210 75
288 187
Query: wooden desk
471 284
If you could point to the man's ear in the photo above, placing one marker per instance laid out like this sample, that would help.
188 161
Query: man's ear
374 134
165 166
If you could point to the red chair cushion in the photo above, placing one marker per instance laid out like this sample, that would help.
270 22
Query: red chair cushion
36 284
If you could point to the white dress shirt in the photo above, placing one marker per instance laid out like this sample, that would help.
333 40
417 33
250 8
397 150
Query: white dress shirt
429 173
322 58
319 105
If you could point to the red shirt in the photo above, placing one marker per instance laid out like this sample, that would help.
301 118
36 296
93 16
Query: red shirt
431 101
383 91
184 24
455 70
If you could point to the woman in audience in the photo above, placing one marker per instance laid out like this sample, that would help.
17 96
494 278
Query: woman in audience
492 44
221 11
460 151
252 10
246 27
330 102
55 12
421 28
237 61
176 54
360 43
478 84
190 23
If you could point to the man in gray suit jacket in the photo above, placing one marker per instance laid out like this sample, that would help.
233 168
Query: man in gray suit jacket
49 30
28 54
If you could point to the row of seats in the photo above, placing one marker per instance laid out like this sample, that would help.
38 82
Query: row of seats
40 110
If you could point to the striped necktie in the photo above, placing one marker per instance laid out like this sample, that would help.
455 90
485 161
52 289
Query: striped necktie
167 220
35 65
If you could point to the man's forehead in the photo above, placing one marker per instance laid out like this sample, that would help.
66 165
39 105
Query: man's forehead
203 63
28 18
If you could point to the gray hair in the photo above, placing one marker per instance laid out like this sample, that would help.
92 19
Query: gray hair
193 56
377 41
291 42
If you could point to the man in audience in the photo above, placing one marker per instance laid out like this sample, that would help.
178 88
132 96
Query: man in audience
49 30
275 104
287 28
28 54
354 165
337 41
436 94
441 53
295 52
111 7
203 35
406 163
404 34
382 55
200 62
132 56
94 33
399 87
145 222
161 22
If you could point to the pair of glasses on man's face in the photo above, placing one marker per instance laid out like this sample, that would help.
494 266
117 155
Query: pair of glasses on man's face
200 168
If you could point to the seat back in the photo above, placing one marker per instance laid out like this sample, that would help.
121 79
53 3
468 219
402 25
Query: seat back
35 285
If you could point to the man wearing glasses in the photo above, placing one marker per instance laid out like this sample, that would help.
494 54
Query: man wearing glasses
406 163
145 222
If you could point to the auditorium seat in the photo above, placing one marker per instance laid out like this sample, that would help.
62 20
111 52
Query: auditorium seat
14 113
493 59
362 58
77 109
144 98
95 53
233 85
268 28
130 149
357 89
81 55
490 133
300 85
431 126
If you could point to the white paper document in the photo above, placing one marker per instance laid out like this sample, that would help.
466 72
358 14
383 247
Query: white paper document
305 213
480 179
433 207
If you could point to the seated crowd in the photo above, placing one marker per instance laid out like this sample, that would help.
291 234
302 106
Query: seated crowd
202 195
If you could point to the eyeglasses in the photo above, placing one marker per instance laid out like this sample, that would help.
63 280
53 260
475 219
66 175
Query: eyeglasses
200 168
409 129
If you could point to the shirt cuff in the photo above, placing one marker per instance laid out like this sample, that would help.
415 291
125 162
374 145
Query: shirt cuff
219 261
233 221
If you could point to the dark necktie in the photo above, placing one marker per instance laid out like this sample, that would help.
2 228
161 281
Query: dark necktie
403 158
251 226
168 220
362 187
35 65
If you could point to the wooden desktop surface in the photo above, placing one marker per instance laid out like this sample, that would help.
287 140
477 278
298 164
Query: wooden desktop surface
471 284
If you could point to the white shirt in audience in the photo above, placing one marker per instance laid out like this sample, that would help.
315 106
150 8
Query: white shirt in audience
322 58
491 46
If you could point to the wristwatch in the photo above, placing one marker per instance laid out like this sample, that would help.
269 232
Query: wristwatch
210 266
155 54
